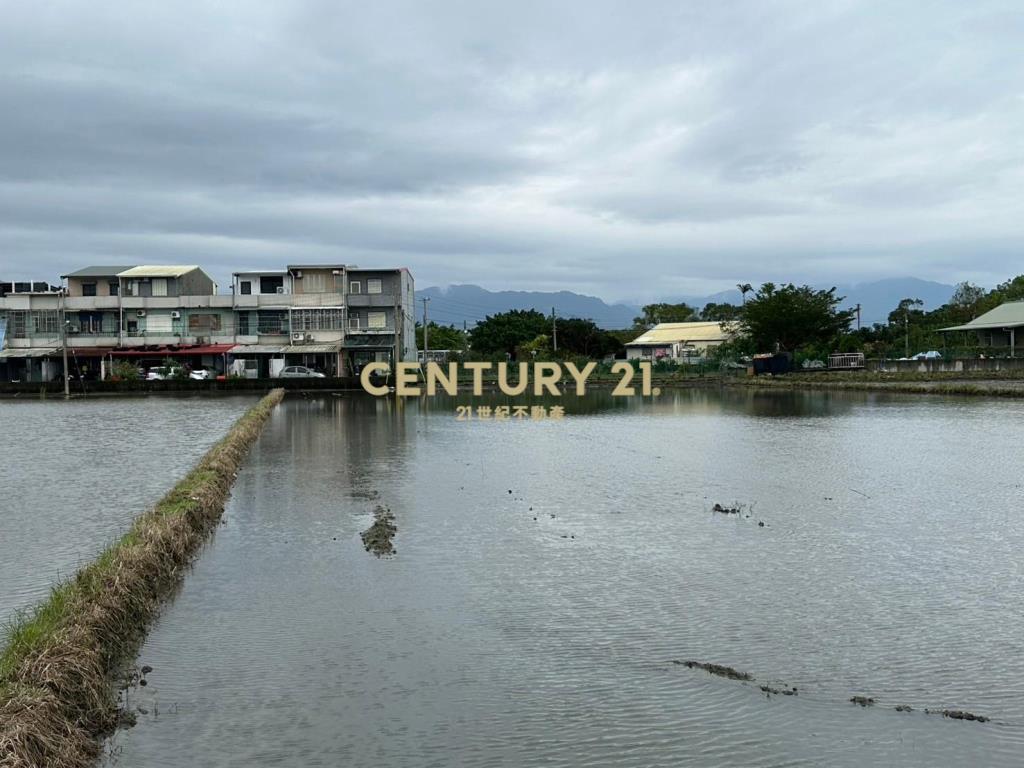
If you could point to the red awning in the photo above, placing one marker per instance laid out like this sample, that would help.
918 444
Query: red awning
207 349
88 351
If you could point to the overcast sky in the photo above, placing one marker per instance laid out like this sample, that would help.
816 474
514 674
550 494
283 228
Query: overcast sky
632 150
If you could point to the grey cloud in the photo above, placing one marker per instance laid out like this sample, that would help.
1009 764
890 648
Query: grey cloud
632 152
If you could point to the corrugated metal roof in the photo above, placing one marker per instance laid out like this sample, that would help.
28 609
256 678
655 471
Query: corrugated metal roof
100 271
312 349
26 352
672 333
257 349
162 270
1010 314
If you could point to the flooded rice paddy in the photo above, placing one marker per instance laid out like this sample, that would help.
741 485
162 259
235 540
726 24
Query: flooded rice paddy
75 474
550 581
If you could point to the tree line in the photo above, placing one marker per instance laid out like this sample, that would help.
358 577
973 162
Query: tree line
804 321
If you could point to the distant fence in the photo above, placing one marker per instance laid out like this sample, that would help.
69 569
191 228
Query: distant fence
959 365
181 386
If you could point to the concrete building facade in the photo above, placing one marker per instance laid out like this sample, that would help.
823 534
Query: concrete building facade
308 315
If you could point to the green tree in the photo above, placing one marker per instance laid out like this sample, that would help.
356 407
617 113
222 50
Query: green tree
721 312
583 337
967 295
442 337
744 289
505 331
664 313
789 317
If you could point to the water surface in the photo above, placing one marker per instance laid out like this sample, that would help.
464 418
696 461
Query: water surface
539 626
74 475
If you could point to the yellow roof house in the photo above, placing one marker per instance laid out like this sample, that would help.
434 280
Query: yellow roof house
680 340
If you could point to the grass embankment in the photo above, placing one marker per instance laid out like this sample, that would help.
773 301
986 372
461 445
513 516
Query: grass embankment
59 661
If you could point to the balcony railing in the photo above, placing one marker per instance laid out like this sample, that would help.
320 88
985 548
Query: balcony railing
363 330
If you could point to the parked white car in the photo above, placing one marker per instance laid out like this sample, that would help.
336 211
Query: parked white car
930 355
200 374
299 372
162 372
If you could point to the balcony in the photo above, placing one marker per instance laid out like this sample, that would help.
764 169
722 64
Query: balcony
364 331
372 300
176 302
90 303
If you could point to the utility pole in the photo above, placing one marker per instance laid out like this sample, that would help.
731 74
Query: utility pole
64 342
858 316
426 329
906 329
554 331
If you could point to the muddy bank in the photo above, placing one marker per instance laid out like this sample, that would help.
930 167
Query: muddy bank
968 388
377 538
59 662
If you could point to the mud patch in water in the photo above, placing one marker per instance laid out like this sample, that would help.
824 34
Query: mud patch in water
715 669
958 714
377 538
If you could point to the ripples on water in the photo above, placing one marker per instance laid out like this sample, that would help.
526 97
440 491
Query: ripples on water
889 566
75 474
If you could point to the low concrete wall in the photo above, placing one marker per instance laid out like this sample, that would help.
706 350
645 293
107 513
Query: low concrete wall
964 365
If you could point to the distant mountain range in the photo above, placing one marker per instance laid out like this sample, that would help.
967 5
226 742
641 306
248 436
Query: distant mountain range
458 304
466 304
877 299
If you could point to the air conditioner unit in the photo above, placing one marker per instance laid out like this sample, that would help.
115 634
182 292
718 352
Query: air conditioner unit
335 271
175 315
280 289
298 337
140 313
74 329
309 337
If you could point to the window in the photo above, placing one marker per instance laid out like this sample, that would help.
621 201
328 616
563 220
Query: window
88 289
355 286
373 286
88 322
376 320
202 324
353 323
272 322
16 323
314 283
272 284
115 288
243 323
317 319
46 322
159 286
245 287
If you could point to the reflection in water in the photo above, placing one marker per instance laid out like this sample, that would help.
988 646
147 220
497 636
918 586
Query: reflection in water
548 574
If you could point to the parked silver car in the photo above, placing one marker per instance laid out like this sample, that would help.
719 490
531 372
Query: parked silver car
299 372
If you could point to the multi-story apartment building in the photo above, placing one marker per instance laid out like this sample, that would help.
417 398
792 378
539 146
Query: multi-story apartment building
329 317
29 313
